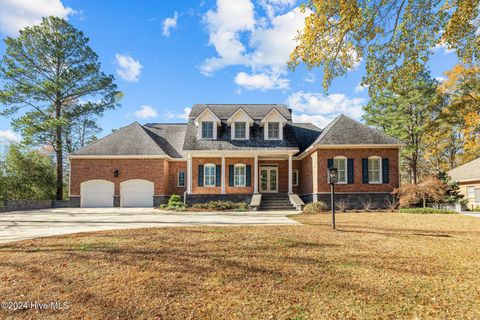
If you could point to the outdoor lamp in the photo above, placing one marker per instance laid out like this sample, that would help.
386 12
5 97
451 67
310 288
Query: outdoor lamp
116 173
333 175
332 178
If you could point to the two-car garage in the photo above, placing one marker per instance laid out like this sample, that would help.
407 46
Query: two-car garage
100 193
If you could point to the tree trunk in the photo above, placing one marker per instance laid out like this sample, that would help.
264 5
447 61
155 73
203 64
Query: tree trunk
59 156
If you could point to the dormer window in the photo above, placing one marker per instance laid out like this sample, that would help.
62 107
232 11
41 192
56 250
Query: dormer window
273 130
207 130
240 130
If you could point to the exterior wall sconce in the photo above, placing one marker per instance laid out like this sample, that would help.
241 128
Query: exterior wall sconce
116 173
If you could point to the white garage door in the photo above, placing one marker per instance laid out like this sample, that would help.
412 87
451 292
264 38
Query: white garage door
136 193
96 193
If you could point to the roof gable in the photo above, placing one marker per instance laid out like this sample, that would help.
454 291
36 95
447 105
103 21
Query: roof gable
467 171
346 131
131 140
254 111
240 115
273 115
209 115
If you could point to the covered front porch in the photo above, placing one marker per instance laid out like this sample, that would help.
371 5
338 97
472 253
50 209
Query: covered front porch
242 173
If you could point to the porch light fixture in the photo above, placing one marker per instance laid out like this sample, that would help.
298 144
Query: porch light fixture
332 179
116 173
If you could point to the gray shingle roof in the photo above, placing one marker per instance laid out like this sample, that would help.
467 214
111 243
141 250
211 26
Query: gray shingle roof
306 134
467 171
134 139
345 131
255 111
129 140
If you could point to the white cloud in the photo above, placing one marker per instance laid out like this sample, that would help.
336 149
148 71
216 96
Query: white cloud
18 14
169 24
184 115
261 81
310 78
128 68
145 112
360 88
443 47
263 46
440 79
321 109
7 136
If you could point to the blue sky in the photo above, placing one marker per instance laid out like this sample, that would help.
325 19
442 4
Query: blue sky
168 55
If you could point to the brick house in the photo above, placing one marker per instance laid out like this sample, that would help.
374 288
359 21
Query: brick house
247 152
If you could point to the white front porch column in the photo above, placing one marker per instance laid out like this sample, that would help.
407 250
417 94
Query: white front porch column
189 174
255 175
290 173
222 180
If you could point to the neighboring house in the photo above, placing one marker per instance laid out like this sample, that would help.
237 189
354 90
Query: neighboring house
232 152
468 178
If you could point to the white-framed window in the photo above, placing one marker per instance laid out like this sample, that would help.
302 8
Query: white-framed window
341 164
209 175
273 130
239 175
295 178
181 179
471 192
207 130
240 130
374 170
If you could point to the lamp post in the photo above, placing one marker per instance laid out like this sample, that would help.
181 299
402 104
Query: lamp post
332 178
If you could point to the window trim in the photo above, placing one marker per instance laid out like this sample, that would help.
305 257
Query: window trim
184 179
239 165
379 169
295 181
209 165
234 134
473 195
346 168
213 130
280 131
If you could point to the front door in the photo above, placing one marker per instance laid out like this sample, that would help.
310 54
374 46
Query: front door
268 179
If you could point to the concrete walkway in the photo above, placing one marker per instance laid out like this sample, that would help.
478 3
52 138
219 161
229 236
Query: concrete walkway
471 214
22 225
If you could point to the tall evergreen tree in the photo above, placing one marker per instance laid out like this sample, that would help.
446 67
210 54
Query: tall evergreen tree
404 114
47 70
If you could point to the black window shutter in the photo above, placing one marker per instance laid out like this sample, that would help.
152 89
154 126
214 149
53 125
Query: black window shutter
329 163
365 170
218 175
248 175
230 175
200 175
385 170
350 175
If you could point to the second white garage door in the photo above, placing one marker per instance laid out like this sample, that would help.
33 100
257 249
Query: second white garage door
136 193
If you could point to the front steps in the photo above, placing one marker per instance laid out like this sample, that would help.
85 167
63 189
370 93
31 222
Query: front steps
276 202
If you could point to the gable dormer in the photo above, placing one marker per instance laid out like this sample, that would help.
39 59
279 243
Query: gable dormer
240 123
273 124
207 124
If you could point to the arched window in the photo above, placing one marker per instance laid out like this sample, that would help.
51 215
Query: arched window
209 175
341 164
239 175
374 169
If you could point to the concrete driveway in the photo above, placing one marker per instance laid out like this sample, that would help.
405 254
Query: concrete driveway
41 223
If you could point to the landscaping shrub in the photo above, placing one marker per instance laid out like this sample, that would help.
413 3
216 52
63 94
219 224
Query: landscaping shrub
427 211
315 207
222 205
174 203
392 203
368 205
342 205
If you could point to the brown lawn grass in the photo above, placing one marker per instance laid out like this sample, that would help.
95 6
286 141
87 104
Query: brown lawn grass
375 266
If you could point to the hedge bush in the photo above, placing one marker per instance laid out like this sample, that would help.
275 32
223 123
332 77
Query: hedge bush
174 203
427 211
315 207
222 205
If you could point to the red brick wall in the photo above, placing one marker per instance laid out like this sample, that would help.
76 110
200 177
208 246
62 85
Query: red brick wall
174 167
357 155
147 169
